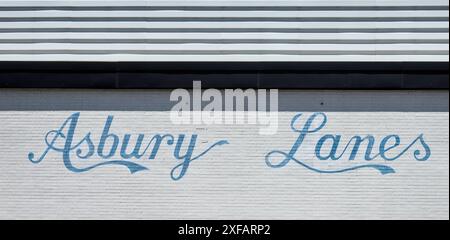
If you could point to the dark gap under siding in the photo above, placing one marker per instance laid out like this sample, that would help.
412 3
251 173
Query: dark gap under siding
281 75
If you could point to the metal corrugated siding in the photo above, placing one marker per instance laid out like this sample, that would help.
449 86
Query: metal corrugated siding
359 30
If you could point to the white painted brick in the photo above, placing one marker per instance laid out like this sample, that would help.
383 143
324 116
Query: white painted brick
231 181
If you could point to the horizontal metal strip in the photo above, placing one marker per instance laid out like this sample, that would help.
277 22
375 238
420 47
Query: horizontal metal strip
227 8
225 3
233 52
224 30
225 19
226 25
225 47
222 58
227 67
223 14
232 41
230 36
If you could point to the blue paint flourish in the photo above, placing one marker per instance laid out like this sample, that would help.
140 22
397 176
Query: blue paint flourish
61 141
317 121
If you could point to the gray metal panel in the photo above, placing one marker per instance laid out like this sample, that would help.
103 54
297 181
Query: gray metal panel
363 30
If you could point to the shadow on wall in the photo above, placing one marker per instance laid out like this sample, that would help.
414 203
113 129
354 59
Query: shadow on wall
159 100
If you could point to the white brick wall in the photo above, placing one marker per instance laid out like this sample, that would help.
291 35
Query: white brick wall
231 181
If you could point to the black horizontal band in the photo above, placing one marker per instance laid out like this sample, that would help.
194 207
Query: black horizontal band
282 75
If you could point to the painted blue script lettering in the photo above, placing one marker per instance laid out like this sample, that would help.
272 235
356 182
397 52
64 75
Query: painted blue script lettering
389 148
85 148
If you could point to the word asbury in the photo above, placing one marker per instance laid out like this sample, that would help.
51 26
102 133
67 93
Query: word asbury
114 150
